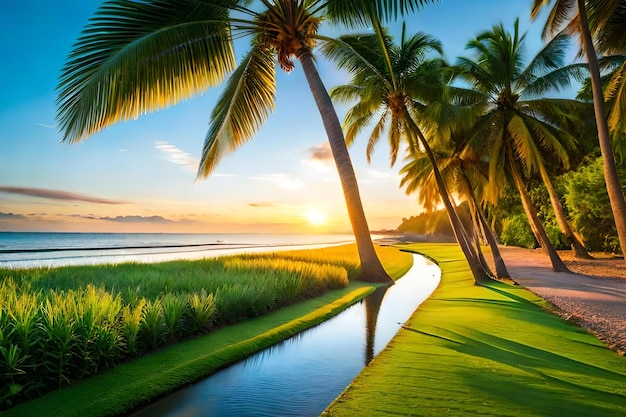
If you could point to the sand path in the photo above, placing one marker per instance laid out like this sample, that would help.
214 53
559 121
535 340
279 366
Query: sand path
597 303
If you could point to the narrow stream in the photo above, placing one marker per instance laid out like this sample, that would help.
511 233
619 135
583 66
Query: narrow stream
304 374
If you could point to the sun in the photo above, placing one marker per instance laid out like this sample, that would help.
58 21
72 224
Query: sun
315 217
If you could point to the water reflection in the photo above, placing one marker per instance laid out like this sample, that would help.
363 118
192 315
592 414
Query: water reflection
372 307
304 374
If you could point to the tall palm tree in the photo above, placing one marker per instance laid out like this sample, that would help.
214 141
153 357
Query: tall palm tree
574 13
517 128
610 40
389 81
140 56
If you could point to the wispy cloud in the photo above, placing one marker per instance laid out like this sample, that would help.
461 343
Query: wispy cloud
12 216
138 219
177 156
57 195
262 204
283 181
46 126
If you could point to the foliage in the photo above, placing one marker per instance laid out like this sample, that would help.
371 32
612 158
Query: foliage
436 223
58 325
590 208
516 232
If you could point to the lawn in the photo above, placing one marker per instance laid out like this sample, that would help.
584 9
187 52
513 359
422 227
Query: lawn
486 351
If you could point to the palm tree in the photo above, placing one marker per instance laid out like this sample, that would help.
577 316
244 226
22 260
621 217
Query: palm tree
610 39
461 174
390 81
517 129
575 13
140 56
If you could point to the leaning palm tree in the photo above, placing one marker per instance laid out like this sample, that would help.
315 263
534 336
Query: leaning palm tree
462 174
578 15
519 126
140 56
390 82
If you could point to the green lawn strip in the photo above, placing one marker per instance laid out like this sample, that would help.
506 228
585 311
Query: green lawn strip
134 383
486 351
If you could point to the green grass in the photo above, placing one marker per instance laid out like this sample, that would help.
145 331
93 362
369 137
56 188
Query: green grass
486 351
128 385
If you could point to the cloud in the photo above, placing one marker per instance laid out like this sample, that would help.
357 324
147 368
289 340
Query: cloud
281 180
46 126
138 219
262 205
12 216
321 153
320 158
57 195
177 156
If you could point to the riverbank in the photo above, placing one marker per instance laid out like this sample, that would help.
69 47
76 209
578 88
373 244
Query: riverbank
491 351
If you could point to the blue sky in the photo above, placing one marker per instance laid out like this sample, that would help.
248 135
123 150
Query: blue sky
139 176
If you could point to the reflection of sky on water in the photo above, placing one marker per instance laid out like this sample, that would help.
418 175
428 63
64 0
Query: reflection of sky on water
302 375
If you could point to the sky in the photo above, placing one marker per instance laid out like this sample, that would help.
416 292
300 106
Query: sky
140 175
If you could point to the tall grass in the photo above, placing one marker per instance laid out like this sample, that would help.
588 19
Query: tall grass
58 325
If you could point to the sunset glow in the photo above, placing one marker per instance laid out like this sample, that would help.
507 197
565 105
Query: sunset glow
315 217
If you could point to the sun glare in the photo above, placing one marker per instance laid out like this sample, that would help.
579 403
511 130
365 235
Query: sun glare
315 217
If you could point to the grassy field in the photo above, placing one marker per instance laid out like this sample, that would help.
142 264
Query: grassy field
486 351
125 386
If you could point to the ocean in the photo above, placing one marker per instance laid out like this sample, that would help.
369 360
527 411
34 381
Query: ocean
33 249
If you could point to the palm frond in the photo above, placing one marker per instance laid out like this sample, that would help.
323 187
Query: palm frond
138 57
615 92
554 143
550 57
557 80
242 108
607 19
562 114
559 14
524 145
374 138
357 13
359 55
346 93
357 119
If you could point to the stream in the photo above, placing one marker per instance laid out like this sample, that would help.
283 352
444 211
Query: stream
302 375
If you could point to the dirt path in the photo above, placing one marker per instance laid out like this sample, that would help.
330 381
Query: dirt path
594 296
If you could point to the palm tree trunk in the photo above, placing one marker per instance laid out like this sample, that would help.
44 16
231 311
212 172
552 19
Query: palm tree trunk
371 268
613 187
477 238
577 246
481 276
533 219
501 270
